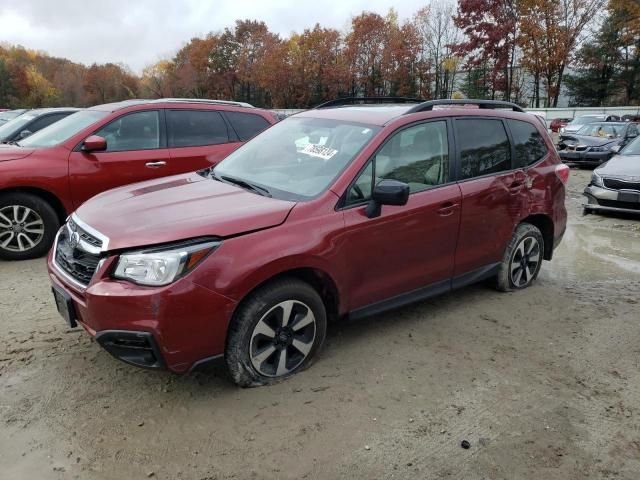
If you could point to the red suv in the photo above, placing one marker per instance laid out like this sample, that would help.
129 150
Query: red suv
49 174
341 211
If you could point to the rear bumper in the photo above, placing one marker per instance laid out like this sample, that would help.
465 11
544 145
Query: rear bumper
604 199
175 327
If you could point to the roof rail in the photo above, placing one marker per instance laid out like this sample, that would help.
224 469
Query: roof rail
205 100
340 102
483 104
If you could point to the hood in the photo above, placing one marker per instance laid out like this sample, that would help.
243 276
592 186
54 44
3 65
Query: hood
178 208
588 140
13 152
621 166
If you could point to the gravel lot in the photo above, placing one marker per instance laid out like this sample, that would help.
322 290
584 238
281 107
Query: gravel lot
543 383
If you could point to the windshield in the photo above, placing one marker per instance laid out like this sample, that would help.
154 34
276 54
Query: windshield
584 120
604 130
63 130
632 148
297 158
15 125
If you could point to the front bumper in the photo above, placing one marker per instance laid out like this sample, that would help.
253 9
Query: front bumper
606 199
176 326
584 158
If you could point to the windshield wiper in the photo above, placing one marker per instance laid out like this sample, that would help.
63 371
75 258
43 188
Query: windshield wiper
244 184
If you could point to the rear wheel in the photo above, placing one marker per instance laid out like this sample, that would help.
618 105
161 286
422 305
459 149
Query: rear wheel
28 226
275 333
522 259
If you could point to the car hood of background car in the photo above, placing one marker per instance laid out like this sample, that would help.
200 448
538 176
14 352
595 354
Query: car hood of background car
178 208
621 166
12 152
588 140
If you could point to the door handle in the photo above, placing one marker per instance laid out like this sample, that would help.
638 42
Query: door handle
447 209
158 164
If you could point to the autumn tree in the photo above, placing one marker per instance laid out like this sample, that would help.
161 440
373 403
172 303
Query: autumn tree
364 51
158 80
491 28
438 36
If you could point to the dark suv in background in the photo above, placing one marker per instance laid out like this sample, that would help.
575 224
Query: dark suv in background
48 175
333 212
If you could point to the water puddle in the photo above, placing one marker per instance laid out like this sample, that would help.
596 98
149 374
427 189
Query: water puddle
596 253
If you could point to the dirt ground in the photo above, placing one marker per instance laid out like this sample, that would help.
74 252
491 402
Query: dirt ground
544 384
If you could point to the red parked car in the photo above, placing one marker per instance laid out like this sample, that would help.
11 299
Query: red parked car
333 212
558 123
48 175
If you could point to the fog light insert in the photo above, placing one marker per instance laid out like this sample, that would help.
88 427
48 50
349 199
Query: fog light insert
136 348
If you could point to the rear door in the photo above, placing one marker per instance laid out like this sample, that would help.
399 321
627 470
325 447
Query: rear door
494 192
136 151
198 138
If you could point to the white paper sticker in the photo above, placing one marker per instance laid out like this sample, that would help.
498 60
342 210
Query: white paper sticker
319 151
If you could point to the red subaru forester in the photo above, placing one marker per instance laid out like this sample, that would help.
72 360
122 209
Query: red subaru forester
340 211
48 175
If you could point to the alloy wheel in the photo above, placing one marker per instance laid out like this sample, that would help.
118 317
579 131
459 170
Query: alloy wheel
282 339
525 261
21 228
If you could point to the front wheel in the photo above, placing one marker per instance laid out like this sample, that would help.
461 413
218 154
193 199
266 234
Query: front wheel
275 333
28 226
522 259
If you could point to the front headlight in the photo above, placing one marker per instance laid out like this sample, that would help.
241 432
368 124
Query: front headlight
161 266
561 129
601 149
596 179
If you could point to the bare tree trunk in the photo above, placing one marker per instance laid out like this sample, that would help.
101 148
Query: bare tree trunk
558 86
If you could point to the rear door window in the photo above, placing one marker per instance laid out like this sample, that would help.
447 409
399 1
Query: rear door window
246 125
484 147
528 142
195 128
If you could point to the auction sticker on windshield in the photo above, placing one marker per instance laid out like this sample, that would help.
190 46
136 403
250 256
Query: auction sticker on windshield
319 151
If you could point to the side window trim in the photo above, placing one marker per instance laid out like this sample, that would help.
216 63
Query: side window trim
512 146
230 130
341 204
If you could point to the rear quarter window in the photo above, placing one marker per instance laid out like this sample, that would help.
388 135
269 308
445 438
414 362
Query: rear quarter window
247 125
529 144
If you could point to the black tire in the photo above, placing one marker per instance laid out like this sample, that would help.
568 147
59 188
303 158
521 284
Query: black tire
525 236
42 212
242 338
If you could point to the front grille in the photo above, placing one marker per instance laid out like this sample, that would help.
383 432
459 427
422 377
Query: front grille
84 235
73 260
616 184
616 204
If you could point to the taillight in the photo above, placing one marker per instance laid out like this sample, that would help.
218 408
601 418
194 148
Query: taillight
562 171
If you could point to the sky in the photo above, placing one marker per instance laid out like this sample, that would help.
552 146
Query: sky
141 32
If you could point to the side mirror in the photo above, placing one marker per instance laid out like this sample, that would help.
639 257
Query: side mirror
24 134
387 192
94 143
616 149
